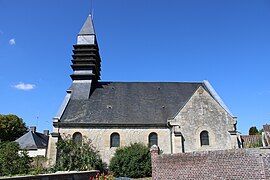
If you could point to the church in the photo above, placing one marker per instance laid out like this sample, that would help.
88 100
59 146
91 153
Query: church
177 116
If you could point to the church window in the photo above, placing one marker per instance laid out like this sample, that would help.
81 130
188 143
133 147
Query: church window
153 139
115 140
77 137
204 138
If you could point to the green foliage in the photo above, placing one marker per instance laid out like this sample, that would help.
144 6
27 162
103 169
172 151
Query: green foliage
38 165
12 161
132 161
253 130
11 127
77 156
260 131
106 177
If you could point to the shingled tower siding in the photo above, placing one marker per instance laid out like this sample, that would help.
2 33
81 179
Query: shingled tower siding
86 62
221 164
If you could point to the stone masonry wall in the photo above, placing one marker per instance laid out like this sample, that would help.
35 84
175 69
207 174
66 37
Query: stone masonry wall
220 164
203 113
101 137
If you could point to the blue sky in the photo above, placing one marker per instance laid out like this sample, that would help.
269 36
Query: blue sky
224 41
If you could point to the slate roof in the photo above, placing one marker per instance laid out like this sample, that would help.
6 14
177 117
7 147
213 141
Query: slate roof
88 28
33 140
130 103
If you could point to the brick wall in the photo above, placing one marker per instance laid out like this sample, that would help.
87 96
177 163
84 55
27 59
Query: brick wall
84 175
249 140
221 164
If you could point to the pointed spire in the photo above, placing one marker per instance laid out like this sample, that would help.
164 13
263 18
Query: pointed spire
87 33
86 63
88 28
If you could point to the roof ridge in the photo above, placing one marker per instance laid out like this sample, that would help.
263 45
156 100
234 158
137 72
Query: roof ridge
33 134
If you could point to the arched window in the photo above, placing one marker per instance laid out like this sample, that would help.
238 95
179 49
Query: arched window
115 140
77 137
204 138
153 139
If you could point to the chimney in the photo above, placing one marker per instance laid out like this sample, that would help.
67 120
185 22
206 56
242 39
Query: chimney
33 129
46 132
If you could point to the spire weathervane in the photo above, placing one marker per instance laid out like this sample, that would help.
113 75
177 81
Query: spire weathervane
92 8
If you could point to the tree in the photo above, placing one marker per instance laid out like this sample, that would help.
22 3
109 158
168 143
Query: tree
132 161
253 130
11 127
260 131
78 156
12 160
39 164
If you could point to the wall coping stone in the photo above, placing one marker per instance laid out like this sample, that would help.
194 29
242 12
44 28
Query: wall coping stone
49 176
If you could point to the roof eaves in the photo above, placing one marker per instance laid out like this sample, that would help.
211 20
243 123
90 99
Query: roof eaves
217 98
63 105
69 124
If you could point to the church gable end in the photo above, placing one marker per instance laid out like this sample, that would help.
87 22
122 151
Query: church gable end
202 115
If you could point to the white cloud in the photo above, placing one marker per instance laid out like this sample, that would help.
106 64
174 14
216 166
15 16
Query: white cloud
25 87
12 41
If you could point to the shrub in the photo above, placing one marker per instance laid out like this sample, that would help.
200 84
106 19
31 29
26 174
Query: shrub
12 160
77 156
132 161
39 165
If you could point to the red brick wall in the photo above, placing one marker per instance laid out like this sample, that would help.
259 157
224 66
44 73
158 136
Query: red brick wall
226 164
251 139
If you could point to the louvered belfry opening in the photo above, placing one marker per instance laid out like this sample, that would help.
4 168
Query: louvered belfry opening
86 63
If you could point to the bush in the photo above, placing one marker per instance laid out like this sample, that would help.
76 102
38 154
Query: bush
12 161
77 156
132 161
39 165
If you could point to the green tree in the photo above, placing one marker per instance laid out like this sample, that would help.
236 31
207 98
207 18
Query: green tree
79 156
253 130
132 161
39 164
260 131
11 127
12 160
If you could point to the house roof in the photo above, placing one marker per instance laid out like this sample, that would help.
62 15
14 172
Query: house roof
33 140
130 103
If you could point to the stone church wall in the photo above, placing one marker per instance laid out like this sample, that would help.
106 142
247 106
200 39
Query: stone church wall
220 164
101 137
203 113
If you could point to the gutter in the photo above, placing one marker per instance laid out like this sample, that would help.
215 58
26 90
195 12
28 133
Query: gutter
170 127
